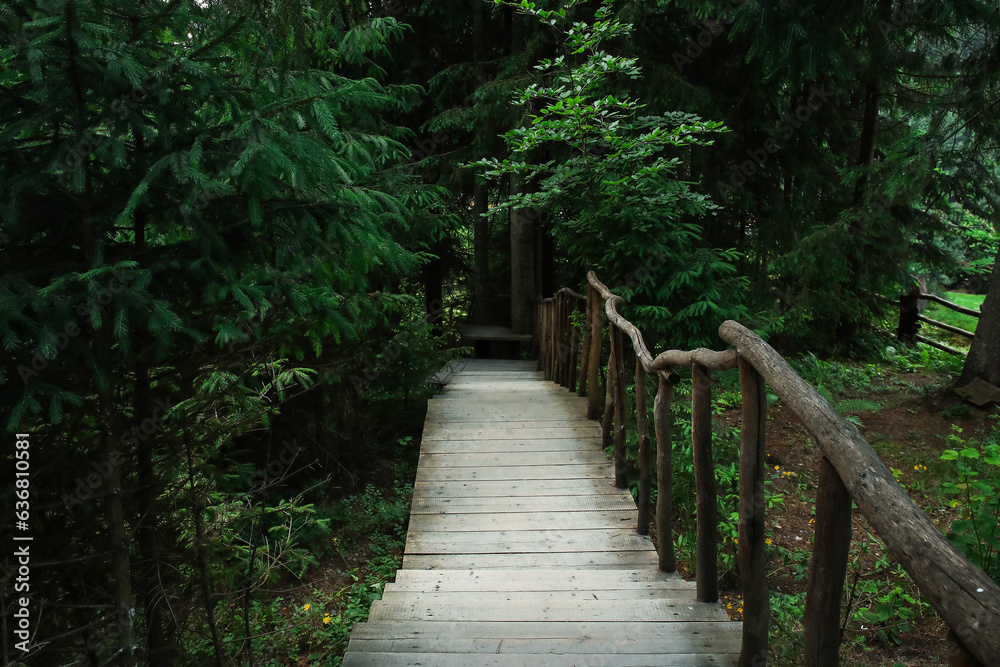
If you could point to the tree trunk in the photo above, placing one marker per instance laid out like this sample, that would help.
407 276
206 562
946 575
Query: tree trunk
522 267
158 653
434 285
481 256
984 356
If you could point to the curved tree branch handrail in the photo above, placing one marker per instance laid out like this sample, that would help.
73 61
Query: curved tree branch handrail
563 290
965 596
665 361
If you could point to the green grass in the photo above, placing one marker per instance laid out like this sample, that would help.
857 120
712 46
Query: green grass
941 314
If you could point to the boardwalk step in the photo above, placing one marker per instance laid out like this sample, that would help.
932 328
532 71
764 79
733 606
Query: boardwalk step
534 580
538 608
461 488
625 560
537 660
523 521
516 504
521 551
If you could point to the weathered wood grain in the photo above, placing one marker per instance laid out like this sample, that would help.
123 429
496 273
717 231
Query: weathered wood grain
520 548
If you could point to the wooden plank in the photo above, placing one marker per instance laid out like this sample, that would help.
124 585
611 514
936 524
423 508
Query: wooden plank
514 488
513 424
534 413
519 445
358 659
534 580
494 505
521 541
625 560
555 630
675 638
524 521
503 601
555 610
513 473
483 459
498 433
500 365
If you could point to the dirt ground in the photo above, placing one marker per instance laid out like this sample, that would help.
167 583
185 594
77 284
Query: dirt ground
911 430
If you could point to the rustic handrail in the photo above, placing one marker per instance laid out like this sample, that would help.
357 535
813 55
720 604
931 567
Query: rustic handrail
964 595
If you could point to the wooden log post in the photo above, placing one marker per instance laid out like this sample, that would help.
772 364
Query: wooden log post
554 344
751 556
707 567
560 356
584 376
565 354
664 474
828 569
645 456
574 348
596 309
542 331
607 418
966 597
618 375
553 337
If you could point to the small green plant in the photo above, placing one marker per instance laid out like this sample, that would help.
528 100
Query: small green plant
976 530
882 600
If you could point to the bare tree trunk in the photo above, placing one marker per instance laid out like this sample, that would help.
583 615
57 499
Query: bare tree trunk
522 267
118 537
984 356
200 556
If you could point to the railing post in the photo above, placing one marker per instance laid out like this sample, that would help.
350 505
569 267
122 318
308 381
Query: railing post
557 357
621 479
752 560
707 576
607 418
574 346
645 456
553 332
664 474
565 333
594 364
583 378
828 569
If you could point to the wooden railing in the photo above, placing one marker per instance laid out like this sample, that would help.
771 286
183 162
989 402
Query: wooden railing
965 596
909 316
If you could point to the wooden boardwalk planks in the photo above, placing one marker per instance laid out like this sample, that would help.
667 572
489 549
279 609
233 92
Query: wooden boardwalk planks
521 551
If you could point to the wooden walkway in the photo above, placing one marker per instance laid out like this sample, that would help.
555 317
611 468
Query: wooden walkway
521 551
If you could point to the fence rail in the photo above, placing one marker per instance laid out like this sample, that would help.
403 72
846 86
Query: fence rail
965 596
910 317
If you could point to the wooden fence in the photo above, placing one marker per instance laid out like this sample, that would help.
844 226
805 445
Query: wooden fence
965 596
910 317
